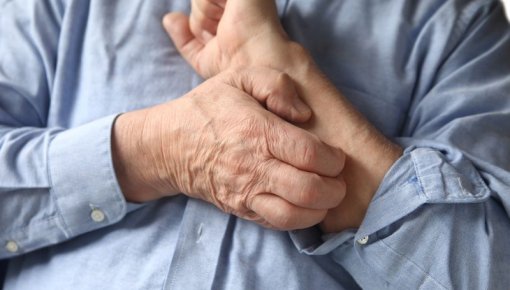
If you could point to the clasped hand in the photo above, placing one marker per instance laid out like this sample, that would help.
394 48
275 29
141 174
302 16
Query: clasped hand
218 143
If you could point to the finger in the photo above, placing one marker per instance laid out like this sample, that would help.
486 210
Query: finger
303 150
220 3
177 27
283 215
305 189
281 95
276 91
203 27
210 9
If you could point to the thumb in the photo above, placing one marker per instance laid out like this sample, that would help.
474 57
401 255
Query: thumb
177 27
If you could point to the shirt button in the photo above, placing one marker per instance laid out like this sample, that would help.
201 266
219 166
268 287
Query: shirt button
97 215
363 241
11 247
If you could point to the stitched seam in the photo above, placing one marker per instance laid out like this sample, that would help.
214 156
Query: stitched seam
425 273
418 175
52 191
120 202
22 228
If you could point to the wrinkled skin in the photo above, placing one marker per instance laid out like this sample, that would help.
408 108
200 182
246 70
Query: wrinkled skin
218 144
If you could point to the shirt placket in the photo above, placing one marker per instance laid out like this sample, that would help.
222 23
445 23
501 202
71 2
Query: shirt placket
198 249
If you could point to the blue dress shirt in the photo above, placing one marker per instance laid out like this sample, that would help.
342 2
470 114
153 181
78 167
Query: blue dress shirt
432 75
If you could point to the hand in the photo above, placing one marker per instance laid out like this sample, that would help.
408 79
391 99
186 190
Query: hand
228 33
218 144
223 34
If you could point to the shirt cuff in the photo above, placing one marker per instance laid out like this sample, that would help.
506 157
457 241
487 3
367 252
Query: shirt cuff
421 175
83 181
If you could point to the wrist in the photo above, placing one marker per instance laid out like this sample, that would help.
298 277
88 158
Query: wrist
363 173
135 169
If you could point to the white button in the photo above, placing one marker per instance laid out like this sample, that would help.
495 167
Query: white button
363 240
97 215
11 247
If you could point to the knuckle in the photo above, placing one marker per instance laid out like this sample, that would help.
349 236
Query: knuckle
253 183
250 126
204 22
309 194
310 153
199 16
282 86
274 134
211 10
283 80
232 76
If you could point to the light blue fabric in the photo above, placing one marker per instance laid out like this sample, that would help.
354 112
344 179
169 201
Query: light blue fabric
432 75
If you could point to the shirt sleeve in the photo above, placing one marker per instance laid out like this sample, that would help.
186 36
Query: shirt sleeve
440 219
55 183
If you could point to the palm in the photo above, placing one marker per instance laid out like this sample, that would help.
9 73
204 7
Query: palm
245 27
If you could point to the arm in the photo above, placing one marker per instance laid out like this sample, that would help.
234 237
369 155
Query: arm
442 213
50 193
45 192
440 216
249 33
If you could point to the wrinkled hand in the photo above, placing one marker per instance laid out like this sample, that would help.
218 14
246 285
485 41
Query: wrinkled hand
221 34
218 144
228 33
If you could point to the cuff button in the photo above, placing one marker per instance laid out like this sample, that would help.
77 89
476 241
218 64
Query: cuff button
12 247
363 241
97 215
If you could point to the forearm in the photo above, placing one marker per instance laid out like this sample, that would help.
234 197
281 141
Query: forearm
436 206
249 34
56 184
337 122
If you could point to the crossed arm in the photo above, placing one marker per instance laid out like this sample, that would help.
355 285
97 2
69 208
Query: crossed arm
449 192
220 35
446 193
249 35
